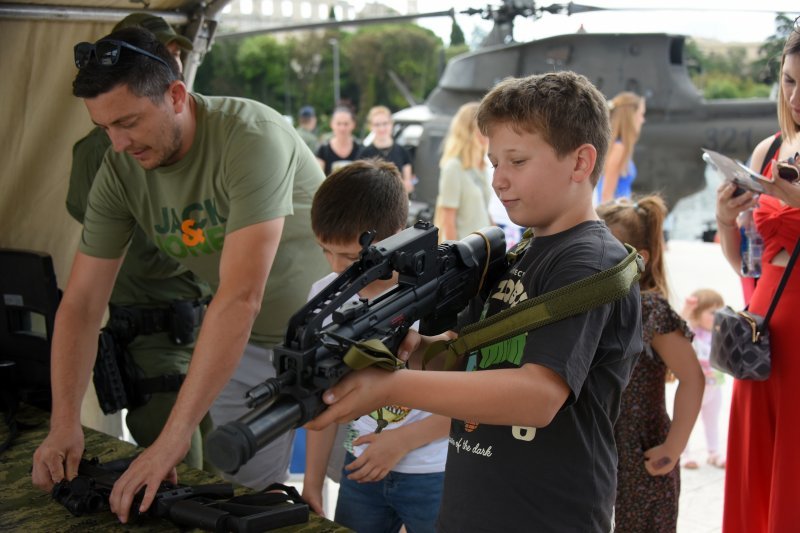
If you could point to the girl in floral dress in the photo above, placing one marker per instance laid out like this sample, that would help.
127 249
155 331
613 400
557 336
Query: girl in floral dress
649 445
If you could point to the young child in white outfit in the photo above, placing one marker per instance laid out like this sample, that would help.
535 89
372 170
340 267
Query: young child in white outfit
699 313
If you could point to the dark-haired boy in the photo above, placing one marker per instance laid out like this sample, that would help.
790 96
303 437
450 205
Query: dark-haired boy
394 477
531 443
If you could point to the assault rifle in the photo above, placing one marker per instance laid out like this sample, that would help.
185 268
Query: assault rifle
436 282
210 507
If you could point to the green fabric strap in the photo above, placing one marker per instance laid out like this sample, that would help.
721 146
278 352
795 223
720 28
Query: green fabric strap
372 352
578 297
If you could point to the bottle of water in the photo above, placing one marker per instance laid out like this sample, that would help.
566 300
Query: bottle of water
751 245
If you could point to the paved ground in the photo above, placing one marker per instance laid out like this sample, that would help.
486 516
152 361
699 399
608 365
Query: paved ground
701 500
692 265
702 489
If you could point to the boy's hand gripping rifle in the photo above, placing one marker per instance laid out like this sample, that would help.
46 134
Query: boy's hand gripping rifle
329 336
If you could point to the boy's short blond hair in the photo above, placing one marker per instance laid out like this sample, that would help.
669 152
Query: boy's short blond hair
563 107
378 110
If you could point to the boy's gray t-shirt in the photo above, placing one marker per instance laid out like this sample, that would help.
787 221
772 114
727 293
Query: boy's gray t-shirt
561 477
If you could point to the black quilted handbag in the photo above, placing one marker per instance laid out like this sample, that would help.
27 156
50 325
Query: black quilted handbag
740 345
740 339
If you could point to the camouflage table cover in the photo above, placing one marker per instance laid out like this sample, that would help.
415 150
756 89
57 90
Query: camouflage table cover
23 507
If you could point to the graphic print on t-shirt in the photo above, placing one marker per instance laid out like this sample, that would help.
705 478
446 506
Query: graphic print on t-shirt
510 292
191 236
198 229
391 413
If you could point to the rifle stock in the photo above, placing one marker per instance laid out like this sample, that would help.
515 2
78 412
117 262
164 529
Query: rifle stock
89 491
211 507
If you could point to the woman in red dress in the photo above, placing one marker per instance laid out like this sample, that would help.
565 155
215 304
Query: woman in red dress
761 480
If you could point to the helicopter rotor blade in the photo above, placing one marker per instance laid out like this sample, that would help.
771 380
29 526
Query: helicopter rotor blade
571 8
337 23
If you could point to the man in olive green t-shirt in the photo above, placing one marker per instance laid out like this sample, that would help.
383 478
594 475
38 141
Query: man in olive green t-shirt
149 290
195 174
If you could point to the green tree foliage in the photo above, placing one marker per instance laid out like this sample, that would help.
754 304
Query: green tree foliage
731 74
298 70
219 72
254 68
767 66
727 74
408 50
728 86
456 35
264 66
311 62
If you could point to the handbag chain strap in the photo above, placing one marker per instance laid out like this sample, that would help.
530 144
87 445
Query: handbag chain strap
782 284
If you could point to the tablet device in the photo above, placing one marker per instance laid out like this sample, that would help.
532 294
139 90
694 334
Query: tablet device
735 171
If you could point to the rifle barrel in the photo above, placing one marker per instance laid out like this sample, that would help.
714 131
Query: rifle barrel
233 444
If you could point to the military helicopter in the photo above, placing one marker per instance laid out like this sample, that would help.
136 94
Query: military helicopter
679 120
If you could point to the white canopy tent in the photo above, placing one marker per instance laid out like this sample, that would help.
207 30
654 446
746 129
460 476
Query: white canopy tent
41 120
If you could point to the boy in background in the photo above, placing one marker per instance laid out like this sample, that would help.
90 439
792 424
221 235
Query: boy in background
531 441
394 477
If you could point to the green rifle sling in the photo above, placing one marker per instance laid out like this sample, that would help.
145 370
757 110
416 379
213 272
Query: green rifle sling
577 297
371 352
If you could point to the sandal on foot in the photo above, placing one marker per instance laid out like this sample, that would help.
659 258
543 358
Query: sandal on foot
716 460
691 465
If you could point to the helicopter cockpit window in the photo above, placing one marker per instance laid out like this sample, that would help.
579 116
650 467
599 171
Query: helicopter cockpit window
676 51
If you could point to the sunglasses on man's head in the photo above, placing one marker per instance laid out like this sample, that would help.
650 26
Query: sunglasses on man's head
106 53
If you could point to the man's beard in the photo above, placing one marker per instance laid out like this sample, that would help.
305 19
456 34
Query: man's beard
173 149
